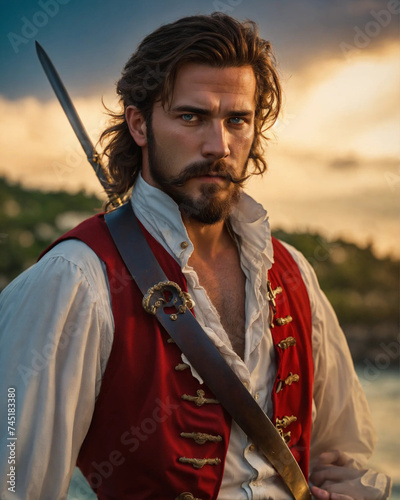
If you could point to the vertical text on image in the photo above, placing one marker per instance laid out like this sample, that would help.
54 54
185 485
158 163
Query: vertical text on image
11 438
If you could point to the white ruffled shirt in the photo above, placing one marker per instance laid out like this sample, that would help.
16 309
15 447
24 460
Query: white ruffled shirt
56 333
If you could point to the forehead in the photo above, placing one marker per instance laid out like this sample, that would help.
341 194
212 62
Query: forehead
209 86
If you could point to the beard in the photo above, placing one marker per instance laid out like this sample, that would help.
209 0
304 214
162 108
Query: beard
215 201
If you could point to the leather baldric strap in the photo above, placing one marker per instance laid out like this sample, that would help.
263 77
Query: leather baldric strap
172 309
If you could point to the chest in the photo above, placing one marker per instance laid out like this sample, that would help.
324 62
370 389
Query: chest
224 283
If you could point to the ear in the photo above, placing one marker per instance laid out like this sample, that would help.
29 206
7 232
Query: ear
137 125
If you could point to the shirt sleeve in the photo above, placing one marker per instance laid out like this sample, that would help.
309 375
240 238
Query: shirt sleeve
55 336
341 416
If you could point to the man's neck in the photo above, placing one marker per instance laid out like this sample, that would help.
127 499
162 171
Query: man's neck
209 240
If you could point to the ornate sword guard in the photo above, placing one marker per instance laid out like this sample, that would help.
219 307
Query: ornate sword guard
167 294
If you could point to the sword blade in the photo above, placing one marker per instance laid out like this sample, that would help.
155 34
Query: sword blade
76 123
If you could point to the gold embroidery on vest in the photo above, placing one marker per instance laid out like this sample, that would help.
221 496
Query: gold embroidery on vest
271 294
287 342
285 421
292 377
186 495
285 435
181 367
199 400
201 437
283 321
171 341
199 463
282 423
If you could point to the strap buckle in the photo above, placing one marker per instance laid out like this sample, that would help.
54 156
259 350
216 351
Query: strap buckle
167 294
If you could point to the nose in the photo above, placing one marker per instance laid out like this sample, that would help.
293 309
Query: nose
215 143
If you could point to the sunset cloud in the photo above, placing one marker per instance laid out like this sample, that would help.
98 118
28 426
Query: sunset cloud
336 109
39 147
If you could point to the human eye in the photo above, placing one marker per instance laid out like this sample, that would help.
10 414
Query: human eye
236 120
189 117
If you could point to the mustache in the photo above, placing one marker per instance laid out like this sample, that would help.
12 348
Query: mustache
213 168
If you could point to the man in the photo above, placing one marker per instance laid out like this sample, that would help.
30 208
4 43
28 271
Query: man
97 380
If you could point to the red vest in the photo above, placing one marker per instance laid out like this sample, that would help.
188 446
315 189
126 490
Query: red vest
153 433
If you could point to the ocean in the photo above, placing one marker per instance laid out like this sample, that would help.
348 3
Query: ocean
382 388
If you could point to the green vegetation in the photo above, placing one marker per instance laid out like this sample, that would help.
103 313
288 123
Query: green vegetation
363 290
360 287
30 220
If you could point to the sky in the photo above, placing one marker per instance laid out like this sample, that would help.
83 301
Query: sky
333 156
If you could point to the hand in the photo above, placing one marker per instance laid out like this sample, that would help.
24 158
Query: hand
335 478
320 494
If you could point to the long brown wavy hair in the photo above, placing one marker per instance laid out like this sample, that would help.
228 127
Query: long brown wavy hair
217 40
